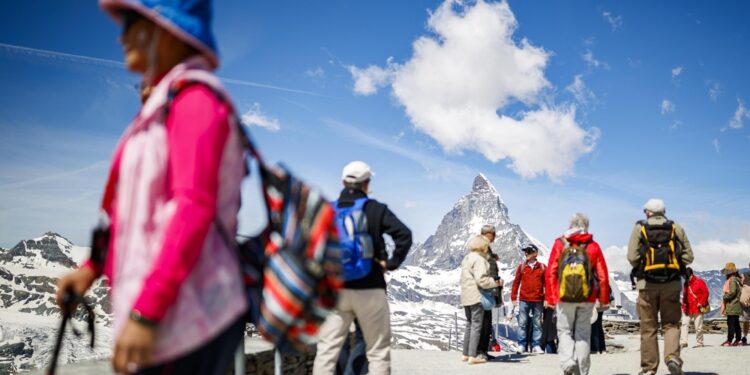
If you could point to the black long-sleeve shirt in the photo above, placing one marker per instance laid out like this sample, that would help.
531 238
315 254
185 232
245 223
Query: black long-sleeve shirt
380 221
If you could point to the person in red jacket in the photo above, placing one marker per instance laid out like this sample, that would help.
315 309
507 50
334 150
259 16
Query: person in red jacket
574 318
529 281
694 299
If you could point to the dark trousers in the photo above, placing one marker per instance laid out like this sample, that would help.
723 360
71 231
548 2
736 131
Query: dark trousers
353 357
484 339
733 328
597 335
213 358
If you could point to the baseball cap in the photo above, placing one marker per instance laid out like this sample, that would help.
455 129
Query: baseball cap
356 171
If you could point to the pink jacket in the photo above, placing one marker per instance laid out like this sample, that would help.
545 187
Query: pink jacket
170 178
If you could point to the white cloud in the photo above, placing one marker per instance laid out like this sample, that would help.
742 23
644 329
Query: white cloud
466 71
676 124
717 147
714 254
667 107
676 71
318 72
740 114
254 116
591 61
617 259
410 204
714 90
367 81
614 21
578 88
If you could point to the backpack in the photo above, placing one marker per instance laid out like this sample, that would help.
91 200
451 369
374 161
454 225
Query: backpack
574 273
661 252
355 242
745 296
291 270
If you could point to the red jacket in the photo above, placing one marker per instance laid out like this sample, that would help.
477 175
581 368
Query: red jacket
598 264
694 296
531 281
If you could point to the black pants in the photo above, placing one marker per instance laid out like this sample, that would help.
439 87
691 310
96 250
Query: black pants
597 335
484 339
733 328
213 358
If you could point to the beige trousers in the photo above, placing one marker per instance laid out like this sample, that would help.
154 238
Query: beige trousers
686 327
370 308
654 305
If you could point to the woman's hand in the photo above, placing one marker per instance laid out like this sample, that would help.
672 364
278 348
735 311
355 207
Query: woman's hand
78 281
133 348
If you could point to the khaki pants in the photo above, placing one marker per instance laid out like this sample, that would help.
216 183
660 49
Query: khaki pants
652 305
686 327
370 307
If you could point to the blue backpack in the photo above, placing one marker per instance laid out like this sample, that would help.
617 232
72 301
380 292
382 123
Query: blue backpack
354 240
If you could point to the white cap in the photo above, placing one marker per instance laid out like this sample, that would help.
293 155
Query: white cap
655 205
356 171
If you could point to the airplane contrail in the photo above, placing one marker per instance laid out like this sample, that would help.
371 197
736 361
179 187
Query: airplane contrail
119 64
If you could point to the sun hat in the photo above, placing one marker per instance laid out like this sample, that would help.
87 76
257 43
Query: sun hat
188 20
729 268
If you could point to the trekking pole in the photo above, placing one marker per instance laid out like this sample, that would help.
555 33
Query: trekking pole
60 334
278 360
239 358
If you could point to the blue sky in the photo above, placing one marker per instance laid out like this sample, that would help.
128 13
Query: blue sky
565 106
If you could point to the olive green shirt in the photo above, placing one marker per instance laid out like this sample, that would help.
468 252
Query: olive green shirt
634 256
732 298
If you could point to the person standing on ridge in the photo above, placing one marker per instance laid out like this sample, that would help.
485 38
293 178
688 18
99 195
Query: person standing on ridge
488 232
527 294
363 296
475 275
731 307
178 300
659 249
575 264
694 306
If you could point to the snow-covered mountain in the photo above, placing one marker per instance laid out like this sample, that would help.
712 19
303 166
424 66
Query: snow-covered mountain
445 249
424 293
29 317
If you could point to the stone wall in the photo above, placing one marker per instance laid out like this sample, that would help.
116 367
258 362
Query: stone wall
262 363
622 327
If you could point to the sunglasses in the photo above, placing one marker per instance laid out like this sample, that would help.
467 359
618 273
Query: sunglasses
129 18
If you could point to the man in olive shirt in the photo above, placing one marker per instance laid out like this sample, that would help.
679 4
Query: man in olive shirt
659 290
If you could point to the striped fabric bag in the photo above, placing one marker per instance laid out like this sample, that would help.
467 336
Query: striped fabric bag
301 278
292 269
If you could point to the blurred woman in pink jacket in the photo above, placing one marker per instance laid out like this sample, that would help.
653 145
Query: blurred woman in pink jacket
177 297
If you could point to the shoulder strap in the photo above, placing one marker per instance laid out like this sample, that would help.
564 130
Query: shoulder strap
359 203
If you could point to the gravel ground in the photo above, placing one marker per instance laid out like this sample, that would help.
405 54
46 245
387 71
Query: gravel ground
711 359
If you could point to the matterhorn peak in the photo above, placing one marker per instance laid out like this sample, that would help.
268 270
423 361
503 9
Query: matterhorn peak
481 183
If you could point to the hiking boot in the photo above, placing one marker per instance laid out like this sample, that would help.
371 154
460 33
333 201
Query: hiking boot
476 360
647 373
537 350
483 356
726 343
464 358
683 345
675 367
572 370
744 340
737 343
699 345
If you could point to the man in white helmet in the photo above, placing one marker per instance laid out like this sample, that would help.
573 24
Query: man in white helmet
659 251
363 296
